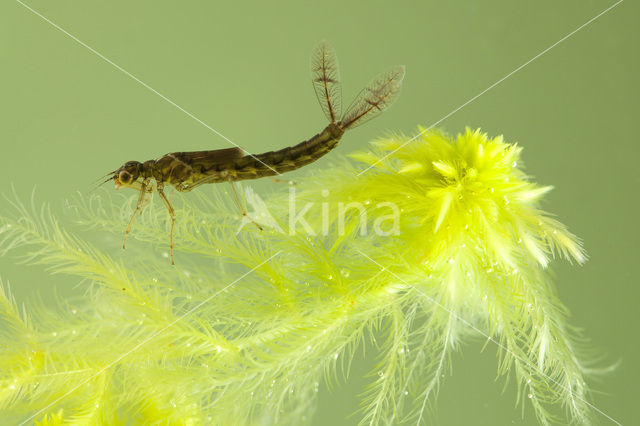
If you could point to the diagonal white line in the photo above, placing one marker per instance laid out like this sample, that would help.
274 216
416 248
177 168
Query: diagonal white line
136 347
133 77
494 85
467 323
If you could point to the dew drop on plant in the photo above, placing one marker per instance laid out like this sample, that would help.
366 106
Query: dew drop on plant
308 348
345 272
406 392
155 280
218 349
381 374
73 332
54 334
73 311
12 386
530 396
515 164
335 356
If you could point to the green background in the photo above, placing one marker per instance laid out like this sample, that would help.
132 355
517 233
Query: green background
67 117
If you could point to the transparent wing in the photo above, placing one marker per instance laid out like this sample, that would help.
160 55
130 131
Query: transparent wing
375 98
326 80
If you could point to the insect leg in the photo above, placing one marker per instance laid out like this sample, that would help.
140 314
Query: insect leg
173 218
289 182
242 210
143 191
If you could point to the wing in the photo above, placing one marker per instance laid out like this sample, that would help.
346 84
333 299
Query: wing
375 98
326 80
207 159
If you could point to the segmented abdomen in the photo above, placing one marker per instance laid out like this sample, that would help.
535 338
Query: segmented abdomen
287 159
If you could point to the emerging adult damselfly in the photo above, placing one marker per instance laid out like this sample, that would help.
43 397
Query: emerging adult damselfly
188 170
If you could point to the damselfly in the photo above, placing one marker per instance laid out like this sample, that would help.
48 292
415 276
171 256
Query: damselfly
188 170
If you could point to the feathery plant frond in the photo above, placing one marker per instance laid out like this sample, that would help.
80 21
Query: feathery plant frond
433 243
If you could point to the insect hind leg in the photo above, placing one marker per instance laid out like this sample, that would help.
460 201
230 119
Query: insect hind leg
242 210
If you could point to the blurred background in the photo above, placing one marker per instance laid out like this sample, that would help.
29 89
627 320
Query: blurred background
67 117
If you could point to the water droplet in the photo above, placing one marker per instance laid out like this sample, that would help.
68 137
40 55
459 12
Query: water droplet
468 274
73 311
165 254
54 334
451 261
555 231
366 203
308 348
73 332
155 280
528 381
491 190
530 306
218 349
515 164
381 374
12 386
335 356
173 403
530 396
406 392
330 277
345 272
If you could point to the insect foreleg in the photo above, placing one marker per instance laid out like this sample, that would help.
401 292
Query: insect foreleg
173 217
139 205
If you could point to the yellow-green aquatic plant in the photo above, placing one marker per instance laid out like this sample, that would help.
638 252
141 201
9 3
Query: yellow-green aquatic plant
426 245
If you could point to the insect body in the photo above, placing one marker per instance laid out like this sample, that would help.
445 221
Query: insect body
188 170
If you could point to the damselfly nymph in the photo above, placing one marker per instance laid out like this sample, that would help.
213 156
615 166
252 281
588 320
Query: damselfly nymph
188 170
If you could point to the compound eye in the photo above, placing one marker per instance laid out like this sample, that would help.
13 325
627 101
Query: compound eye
124 177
